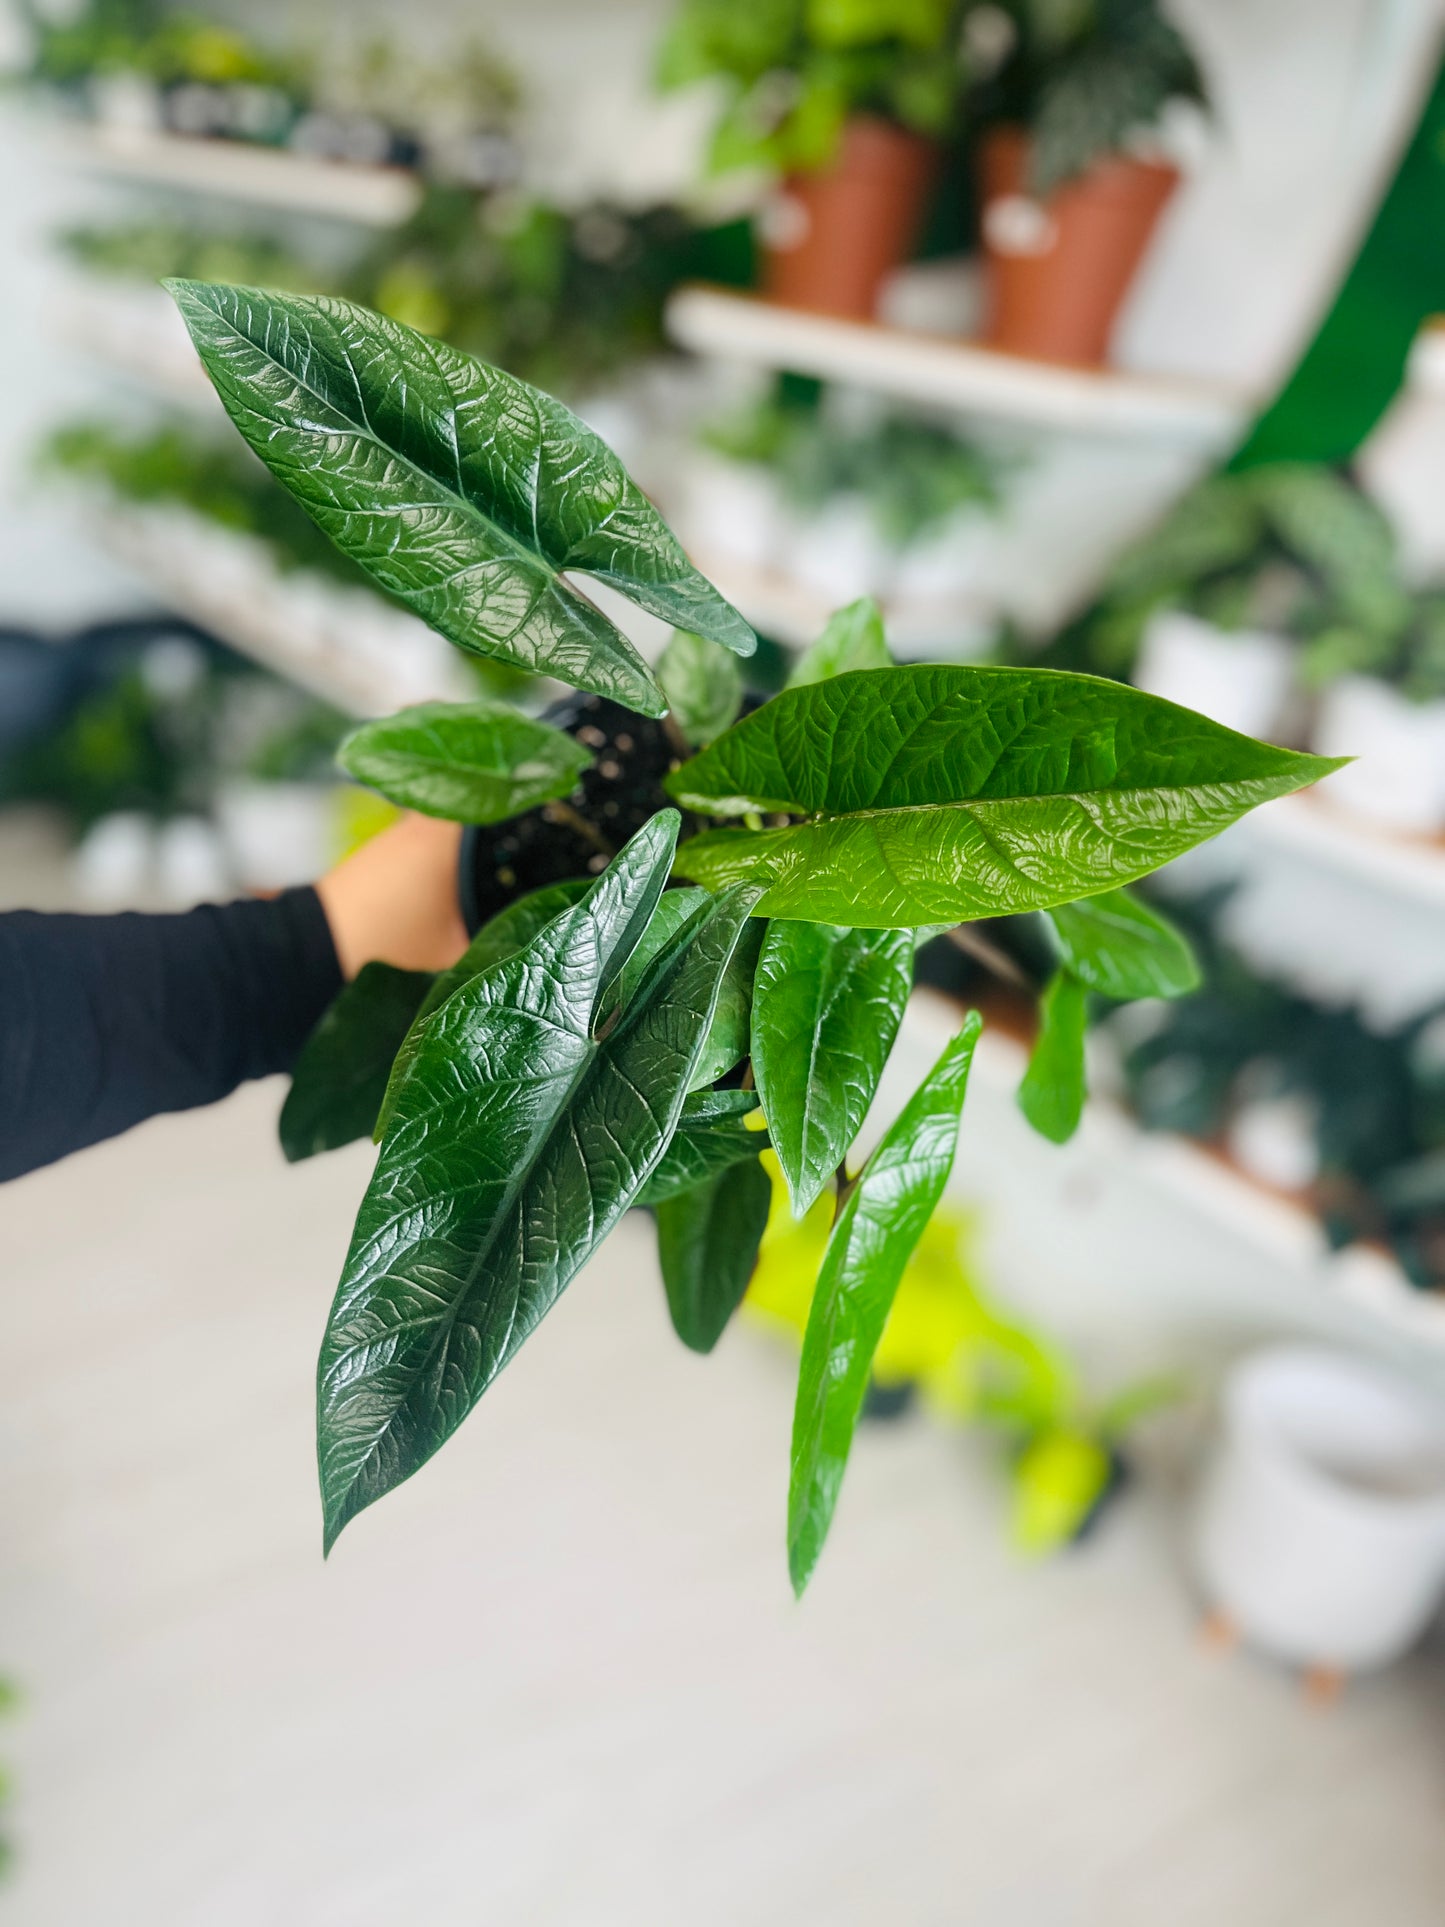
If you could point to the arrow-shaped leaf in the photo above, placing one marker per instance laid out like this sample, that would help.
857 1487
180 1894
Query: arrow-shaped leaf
470 762
1123 948
707 1245
340 1076
519 1137
464 491
1051 1095
711 1137
881 1221
827 1004
938 794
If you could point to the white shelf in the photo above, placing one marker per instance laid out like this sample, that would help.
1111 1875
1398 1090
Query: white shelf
945 373
345 645
265 176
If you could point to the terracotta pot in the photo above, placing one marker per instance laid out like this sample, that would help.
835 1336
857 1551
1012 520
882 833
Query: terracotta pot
1058 270
831 239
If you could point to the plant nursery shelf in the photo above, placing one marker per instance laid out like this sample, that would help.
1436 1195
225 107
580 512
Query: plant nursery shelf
135 329
265 176
1402 866
957 375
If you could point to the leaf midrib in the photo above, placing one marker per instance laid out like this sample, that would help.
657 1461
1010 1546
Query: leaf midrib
819 819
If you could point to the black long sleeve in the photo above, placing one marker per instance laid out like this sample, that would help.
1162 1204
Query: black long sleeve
105 1020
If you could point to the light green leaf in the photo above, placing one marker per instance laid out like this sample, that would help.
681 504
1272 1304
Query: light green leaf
520 1135
707 1246
703 685
827 1004
940 794
880 1223
340 1076
853 639
465 492
1052 1093
710 1138
1123 948
470 762
500 937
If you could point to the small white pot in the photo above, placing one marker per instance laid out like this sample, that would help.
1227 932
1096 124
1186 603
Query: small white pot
277 834
838 553
114 862
945 564
730 509
1321 1525
1242 678
1398 777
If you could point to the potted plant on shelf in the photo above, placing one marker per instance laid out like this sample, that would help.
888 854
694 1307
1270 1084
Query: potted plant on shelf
844 102
1072 178
608 1041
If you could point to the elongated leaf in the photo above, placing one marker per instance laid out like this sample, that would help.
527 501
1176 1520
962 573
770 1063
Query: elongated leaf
711 1137
827 1004
853 639
469 762
520 1136
939 794
707 1245
464 491
674 907
1052 1093
1123 948
503 935
727 1041
703 685
880 1223
337 1085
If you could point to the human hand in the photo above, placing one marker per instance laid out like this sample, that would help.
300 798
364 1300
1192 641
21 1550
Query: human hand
395 899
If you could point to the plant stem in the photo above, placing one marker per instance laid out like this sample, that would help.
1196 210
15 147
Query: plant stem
974 944
575 820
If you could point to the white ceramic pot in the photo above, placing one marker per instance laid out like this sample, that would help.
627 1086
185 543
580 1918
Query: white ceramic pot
1242 678
1398 776
1321 1523
730 509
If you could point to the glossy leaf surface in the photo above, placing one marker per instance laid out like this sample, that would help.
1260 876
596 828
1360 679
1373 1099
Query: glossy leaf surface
880 1223
939 794
853 639
520 1135
703 685
465 492
1051 1095
827 1004
727 1041
710 1138
340 1076
1123 948
469 762
707 1245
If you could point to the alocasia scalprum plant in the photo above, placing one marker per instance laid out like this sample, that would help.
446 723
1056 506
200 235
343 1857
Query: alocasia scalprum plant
742 960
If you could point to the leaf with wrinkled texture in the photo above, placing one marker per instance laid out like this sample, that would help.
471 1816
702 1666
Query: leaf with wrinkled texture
500 937
1052 1093
707 1246
880 1223
337 1085
465 492
1123 948
468 762
853 639
827 1004
703 685
939 793
520 1135
710 1138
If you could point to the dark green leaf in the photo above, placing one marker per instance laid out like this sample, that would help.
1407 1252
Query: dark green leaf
470 762
1123 948
707 1246
520 1135
827 1004
340 1076
1052 1093
703 685
939 794
464 491
880 1223
710 1138
727 1041
509 931
853 639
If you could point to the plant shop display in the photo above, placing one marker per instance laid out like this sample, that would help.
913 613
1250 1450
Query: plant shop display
584 1055
845 101
1072 178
